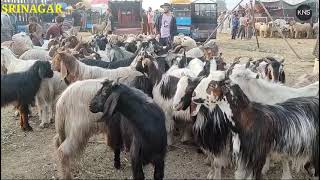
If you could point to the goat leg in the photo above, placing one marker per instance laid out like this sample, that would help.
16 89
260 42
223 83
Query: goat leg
158 169
137 169
24 119
116 160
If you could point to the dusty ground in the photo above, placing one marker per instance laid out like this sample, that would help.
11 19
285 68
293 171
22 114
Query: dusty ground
31 155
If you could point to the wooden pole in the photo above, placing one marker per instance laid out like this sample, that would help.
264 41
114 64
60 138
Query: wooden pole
221 23
254 24
278 29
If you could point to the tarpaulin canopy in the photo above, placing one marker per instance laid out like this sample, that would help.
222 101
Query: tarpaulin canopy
291 2
180 1
99 2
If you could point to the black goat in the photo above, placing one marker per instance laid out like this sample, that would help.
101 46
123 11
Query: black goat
131 46
144 117
21 87
108 65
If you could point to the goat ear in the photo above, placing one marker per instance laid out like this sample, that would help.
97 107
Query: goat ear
282 61
225 89
63 70
41 73
110 104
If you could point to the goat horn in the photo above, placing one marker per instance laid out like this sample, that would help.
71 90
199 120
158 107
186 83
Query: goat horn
231 68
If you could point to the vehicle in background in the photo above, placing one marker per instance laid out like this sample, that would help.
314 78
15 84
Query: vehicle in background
204 15
126 14
182 13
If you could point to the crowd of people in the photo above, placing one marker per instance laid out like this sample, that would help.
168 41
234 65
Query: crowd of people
152 23
241 23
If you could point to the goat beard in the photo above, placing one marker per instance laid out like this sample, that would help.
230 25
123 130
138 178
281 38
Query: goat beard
193 107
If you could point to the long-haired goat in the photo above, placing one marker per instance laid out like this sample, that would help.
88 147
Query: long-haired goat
76 124
22 87
290 129
248 80
164 88
149 137
210 128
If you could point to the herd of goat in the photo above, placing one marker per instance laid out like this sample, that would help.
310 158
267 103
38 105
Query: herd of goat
137 92
290 29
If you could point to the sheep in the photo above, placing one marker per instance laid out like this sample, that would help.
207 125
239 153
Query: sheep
282 119
21 42
10 63
21 87
76 124
98 28
144 116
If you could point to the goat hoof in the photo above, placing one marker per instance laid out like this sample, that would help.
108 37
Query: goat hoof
44 125
170 148
117 165
207 161
199 151
210 175
28 128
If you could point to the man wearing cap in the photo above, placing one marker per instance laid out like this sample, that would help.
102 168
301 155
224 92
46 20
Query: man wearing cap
166 26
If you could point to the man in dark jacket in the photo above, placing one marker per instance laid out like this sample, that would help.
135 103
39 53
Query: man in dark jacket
76 18
166 26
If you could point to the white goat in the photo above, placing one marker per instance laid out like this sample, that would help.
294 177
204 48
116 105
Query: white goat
39 54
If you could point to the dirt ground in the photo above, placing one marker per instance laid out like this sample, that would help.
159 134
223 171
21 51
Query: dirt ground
30 155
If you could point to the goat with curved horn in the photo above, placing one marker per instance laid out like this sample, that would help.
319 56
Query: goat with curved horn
231 67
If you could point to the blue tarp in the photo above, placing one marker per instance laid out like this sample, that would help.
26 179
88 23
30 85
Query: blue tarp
185 21
64 5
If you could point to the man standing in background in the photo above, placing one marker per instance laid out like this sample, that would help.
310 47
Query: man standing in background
144 22
76 18
155 20
243 25
235 25
55 30
150 21
35 31
166 26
